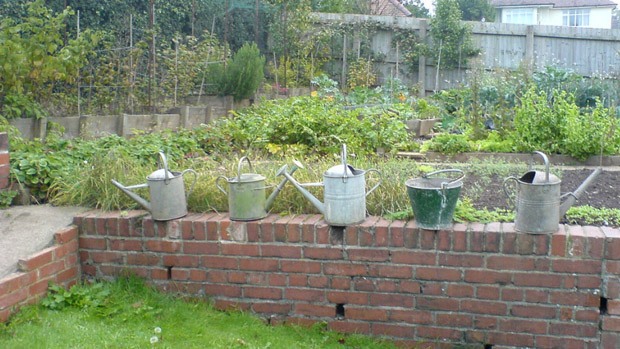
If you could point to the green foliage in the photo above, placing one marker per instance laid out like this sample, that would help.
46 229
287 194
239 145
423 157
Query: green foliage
6 197
448 144
590 133
79 296
592 215
35 59
452 39
361 74
244 73
477 10
466 212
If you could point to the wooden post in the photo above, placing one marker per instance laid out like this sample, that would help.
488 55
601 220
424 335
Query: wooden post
343 78
529 49
422 61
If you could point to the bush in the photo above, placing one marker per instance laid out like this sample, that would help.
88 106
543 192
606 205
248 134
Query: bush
244 73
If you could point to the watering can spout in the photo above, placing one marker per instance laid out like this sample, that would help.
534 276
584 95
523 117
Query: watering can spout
318 204
574 196
136 197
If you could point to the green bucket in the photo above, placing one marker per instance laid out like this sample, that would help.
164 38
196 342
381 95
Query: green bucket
434 199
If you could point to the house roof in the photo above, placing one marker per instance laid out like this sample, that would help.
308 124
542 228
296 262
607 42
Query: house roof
553 3
388 8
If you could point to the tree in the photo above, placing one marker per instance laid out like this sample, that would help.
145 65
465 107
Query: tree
417 8
35 61
452 42
477 10
243 75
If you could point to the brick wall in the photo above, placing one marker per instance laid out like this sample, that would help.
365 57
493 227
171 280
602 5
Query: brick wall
58 263
477 284
4 160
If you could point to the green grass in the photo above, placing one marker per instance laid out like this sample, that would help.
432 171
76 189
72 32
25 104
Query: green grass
127 313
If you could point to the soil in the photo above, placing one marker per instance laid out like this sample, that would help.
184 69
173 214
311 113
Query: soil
603 192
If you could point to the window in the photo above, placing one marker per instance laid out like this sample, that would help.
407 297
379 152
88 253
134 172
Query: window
576 17
518 16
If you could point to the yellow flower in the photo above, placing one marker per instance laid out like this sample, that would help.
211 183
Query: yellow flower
314 93
402 97
330 98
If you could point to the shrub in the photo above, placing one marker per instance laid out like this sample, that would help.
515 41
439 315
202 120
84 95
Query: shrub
244 73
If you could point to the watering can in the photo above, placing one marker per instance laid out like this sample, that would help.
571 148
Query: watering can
167 191
344 193
246 194
538 208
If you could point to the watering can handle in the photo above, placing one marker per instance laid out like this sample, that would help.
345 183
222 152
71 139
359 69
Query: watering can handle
245 158
191 189
218 186
546 161
505 187
162 156
376 185
343 157
444 171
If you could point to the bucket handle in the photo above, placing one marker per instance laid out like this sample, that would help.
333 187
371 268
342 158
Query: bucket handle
510 196
376 185
218 185
545 160
445 184
245 158
191 188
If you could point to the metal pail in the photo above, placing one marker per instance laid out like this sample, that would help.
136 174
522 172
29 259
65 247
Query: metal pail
537 202
433 200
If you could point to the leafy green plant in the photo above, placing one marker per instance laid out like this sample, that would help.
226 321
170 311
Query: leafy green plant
590 133
448 144
243 75
361 73
79 296
592 215
466 212
6 197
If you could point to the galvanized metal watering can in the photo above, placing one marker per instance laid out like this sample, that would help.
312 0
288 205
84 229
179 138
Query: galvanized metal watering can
167 191
246 193
344 192
538 198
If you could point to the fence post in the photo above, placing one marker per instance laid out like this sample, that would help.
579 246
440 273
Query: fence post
40 128
529 48
422 61
184 111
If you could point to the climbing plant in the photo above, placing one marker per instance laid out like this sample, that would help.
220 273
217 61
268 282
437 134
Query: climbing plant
452 42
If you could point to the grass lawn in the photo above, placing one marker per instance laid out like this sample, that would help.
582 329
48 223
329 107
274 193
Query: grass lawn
129 314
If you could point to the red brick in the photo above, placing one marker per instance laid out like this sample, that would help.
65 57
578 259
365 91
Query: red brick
338 297
559 243
271 308
65 235
511 339
427 239
51 268
340 283
143 259
392 330
219 262
382 233
502 262
484 307
181 261
566 343
454 320
440 274
281 251
106 257
459 237
262 292
459 290
391 300
608 340
307 267
179 274
68 274
612 237
307 295
4 158
4 141
316 281
367 314
163 246
390 271
345 269
60 251
222 304
435 303
460 260
8 300
36 260
397 234
414 257
574 298
372 255
323 253
523 326
579 330
125 245
483 276
577 266
240 249
233 291
350 327
538 280
487 292
261 265
92 243
438 333
201 247
533 311
314 310
411 316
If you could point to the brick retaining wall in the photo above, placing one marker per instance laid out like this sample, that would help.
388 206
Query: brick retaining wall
58 264
484 285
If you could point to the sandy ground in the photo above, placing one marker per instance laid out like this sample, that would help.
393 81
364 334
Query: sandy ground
25 230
